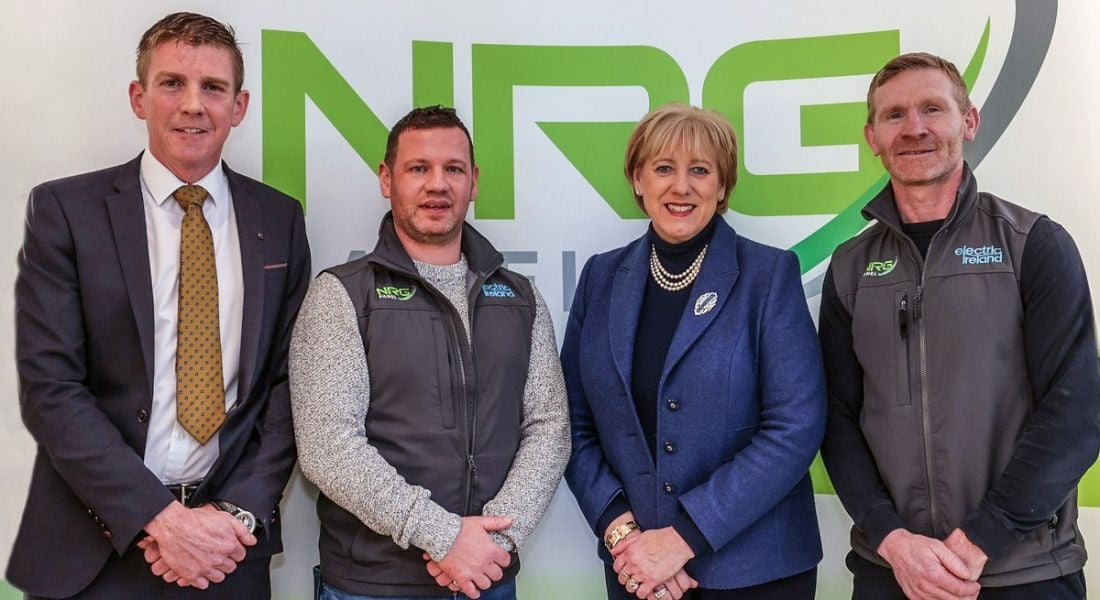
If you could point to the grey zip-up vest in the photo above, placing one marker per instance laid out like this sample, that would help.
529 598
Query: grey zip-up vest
445 411
945 388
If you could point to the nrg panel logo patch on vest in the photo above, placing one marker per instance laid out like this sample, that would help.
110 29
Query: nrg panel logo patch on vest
391 292
880 268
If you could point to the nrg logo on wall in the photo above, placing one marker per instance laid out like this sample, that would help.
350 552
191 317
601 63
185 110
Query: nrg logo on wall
566 102
796 101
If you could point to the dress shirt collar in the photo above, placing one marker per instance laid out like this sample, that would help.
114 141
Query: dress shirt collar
161 183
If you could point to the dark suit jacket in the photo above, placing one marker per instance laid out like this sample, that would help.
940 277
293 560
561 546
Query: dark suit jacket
741 400
84 348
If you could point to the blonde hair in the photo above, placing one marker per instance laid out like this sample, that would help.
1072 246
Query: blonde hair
702 131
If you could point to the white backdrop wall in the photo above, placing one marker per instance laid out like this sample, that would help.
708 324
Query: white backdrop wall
63 110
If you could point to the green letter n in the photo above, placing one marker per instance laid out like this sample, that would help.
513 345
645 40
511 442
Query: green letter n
294 68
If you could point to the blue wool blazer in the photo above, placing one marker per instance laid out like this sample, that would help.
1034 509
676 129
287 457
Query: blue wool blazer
741 398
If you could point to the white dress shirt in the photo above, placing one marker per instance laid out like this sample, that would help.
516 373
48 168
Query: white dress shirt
170 452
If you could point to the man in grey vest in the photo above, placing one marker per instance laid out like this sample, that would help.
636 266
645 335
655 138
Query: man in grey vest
428 399
961 359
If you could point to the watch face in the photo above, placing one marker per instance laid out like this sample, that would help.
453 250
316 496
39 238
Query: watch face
248 519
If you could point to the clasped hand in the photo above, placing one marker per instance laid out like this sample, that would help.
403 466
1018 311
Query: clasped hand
474 561
653 558
194 546
927 568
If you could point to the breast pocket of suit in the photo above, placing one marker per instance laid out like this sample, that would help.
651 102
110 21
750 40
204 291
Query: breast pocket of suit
275 273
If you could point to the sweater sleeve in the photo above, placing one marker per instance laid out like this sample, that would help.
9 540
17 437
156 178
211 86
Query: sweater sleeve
847 457
544 439
330 397
1061 439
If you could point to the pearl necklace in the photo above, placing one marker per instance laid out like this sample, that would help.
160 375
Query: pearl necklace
674 282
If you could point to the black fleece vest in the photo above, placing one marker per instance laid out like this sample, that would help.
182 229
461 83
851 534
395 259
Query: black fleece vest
444 411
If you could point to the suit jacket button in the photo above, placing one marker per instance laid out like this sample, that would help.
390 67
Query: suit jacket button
669 488
670 448
673 405
142 415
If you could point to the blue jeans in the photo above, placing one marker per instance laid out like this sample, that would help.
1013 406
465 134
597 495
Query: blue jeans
499 591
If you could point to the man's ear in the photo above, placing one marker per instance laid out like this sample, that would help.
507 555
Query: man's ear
971 120
385 179
137 99
869 135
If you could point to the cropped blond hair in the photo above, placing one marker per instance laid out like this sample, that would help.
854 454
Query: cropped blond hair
702 131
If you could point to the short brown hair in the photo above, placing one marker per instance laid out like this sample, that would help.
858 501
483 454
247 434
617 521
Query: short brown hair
702 131
425 117
194 30
912 62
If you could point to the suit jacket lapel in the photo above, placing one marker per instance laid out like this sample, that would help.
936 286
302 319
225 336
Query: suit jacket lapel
249 230
126 210
718 276
627 292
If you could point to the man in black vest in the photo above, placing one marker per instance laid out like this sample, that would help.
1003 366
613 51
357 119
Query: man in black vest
960 355
428 399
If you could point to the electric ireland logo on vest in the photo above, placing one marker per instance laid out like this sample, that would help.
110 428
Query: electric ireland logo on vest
880 268
391 292
497 290
982 255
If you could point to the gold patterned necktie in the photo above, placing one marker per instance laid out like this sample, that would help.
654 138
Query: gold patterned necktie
200 391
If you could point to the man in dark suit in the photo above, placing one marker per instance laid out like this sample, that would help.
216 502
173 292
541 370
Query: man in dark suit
154 306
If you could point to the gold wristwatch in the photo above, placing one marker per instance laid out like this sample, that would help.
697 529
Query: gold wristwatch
618 533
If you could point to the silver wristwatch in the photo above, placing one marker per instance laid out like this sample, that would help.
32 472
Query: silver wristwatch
242 515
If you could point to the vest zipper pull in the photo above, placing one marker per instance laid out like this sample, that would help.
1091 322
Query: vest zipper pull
903 316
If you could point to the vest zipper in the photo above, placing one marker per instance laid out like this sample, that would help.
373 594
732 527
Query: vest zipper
471 461
470 408
926 417
469 401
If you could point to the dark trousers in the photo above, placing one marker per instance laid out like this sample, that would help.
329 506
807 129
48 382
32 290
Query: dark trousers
802 586
128 577
874 582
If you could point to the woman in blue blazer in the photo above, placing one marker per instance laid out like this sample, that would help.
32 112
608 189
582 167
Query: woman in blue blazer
695 385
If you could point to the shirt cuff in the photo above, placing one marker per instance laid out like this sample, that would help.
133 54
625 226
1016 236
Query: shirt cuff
878 523
614 510
692 535
987 532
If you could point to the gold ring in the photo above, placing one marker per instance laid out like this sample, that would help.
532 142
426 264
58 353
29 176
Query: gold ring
631 585
660 592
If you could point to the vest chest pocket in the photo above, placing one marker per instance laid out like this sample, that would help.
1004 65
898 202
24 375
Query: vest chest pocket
905 335
448 387
884 337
